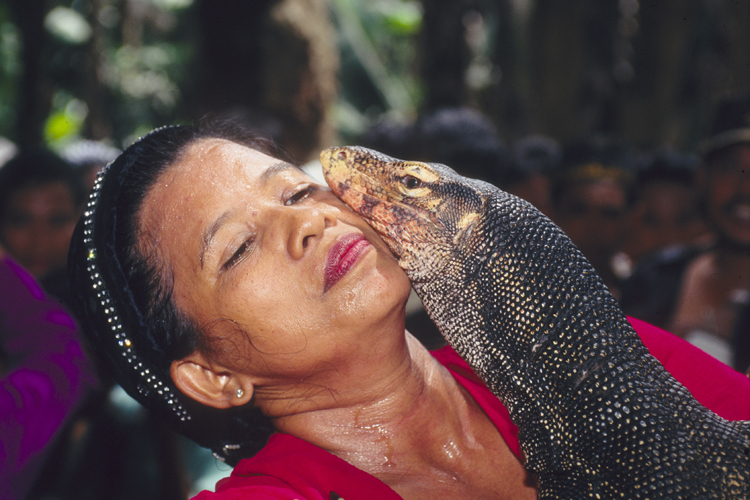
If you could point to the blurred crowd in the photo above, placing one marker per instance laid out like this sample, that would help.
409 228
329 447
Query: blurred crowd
668 232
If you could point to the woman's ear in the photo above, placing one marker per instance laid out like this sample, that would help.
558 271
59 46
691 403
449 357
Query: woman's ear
209 383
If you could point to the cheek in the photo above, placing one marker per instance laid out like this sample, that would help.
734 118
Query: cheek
720 190
375 298
16 240
272 312
63 235
272 344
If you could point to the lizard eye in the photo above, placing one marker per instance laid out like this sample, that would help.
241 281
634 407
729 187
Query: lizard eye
411 182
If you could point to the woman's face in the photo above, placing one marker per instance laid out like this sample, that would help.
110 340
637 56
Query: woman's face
727 194
280 273
37 228
592 213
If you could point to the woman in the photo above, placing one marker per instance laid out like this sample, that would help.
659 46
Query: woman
241 300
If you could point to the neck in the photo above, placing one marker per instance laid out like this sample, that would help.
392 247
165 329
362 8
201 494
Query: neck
380 431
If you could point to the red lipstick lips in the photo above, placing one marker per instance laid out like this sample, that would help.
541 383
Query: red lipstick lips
342 256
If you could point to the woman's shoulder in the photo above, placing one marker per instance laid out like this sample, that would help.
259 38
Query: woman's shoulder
715 385
290 468
264 489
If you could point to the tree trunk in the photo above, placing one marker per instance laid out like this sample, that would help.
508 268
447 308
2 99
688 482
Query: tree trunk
35 93
445 55
271 64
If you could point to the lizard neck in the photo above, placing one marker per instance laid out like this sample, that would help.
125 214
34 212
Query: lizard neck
525 293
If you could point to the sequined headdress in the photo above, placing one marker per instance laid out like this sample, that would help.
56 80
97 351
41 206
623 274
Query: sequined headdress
117 328
106 301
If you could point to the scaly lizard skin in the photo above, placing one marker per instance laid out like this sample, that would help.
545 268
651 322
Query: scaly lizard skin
598 416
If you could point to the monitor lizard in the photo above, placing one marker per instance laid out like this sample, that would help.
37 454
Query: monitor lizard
598 416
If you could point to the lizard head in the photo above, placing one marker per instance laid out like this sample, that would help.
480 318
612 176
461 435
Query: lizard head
425 212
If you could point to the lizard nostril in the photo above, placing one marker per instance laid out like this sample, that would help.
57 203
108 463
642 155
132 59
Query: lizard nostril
341 155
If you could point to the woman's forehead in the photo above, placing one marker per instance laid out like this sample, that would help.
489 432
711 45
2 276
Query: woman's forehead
220 159
211 154
210 177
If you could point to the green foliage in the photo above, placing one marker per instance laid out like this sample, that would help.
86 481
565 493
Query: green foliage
403 18
144 53
380 70
138 52
68 26
132 64
66 120
144 77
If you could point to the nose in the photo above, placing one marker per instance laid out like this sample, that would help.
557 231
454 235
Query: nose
306 226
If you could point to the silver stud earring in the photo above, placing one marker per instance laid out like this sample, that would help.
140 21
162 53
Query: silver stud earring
240 393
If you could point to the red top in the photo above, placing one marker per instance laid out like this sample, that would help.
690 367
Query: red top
290 468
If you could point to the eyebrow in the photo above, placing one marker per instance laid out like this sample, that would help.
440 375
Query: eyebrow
209 234
275 169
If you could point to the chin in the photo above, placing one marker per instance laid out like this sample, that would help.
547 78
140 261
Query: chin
391 294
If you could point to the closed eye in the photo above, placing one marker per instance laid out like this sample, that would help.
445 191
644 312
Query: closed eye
300 195
237 255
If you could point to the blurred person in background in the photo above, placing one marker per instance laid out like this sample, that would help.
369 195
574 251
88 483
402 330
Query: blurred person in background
41 196
702 293
44 378
464 139
591 195
109 438
535 159
390 136
665 215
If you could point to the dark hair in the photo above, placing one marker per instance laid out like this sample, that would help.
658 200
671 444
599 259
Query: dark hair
667 165
532 155
37 168
730 125
537 154
597 157
124 293
465 140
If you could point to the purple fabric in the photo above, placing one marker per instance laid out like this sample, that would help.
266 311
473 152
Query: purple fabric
45 376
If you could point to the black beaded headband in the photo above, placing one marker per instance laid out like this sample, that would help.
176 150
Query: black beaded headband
150 381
